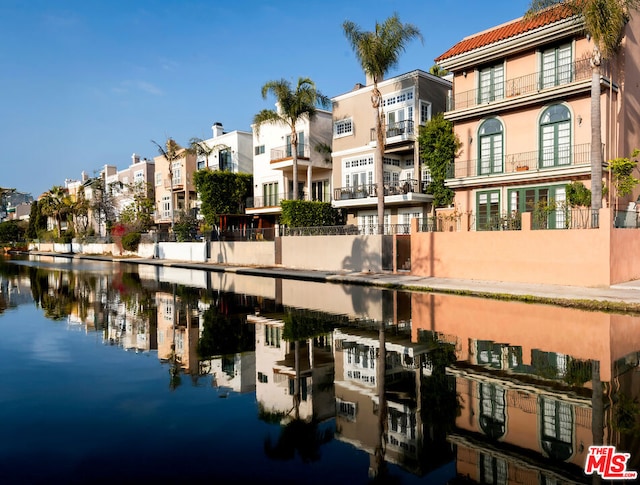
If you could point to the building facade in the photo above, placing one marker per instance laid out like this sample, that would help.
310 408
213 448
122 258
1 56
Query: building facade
520 105
408 101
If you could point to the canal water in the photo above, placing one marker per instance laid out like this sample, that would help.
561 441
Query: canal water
118 373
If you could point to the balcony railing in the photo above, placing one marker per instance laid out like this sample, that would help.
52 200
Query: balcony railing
564 156
531 83
272 200
396 128
285 152
371 190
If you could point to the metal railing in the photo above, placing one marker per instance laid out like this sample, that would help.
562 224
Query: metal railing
558 157
508 221
349 229
397 128
519 86
565 218
248 234
284 152
371 190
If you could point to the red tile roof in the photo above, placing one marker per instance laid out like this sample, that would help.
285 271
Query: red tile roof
505 31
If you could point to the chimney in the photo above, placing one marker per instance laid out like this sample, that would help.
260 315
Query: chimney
135 159
217 129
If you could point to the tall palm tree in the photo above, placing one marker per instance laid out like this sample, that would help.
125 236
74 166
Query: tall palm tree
56 204
605 22
171 152
378 52
292 106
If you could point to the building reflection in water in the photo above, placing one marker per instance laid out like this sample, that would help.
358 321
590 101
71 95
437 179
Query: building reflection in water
483 390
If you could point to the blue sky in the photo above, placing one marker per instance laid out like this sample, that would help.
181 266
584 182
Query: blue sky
86 83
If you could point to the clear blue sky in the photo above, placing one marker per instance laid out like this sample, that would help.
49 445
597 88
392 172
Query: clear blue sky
86 83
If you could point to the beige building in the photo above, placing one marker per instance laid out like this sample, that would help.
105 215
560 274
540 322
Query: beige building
174 195
409 101
521 108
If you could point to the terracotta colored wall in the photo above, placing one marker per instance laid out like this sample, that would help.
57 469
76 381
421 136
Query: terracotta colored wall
563 257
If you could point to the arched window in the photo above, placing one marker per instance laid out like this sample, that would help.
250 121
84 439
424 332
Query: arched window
490 146
555 136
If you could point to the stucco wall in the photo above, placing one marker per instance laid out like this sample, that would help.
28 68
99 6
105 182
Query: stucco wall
261 253
329 253
181 251
562 257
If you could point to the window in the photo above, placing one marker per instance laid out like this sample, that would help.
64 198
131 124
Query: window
488 210
177 173
491 84
166 206
399 109
547 203
201 164
158 179
270 194
258 150
300 145
556 66
358 171
224 160
556 433
490 147
342 128
425 112
555 136
320 191
138 177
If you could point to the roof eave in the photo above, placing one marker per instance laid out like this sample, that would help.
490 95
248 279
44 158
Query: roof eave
513 45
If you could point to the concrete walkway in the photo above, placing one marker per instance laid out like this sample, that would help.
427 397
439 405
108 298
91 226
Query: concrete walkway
625 293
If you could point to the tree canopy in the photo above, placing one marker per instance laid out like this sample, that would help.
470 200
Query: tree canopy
222 192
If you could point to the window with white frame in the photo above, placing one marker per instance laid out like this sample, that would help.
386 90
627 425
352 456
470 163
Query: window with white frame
399 112
158 179
342 127
425 112
166 206
358 171
258 150
138 177
177 173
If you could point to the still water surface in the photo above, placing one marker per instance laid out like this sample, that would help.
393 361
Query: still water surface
115 373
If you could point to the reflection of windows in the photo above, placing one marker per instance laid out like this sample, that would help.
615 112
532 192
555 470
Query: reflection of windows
263 378
493 470
272 336
556 431
492 410
346 409
303 387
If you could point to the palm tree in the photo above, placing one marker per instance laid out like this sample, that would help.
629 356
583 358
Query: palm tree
605 22
378 52
200 148
292 106
171 152
56 204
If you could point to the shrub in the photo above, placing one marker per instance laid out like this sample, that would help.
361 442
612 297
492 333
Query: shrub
131 241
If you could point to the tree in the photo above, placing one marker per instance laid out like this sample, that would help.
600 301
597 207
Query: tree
622 179
379 51
139 213
56 204
200 148
222 193
439 145
102 204
292 107
171 152
37 221
437 70
604 21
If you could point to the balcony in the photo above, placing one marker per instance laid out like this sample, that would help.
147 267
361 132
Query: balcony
525 162
280 154
520 86
403 187
403 129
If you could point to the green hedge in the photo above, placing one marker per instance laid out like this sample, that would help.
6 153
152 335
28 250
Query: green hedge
305 213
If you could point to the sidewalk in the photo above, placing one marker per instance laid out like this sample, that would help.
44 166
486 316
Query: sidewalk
625 293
